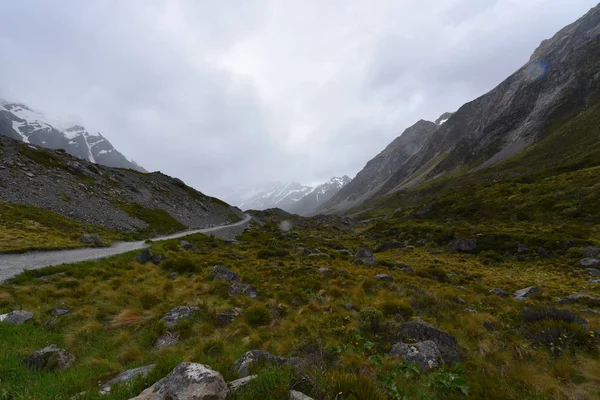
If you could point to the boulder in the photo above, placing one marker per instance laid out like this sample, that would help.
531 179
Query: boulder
126 376
167 340
524 294
220 272
50 358
589 262
182 312
144 256
465 245
239 288
238 383
364 256
384 277
295 395
419 330
242 364
591 251
499 292
91 239
426 354
228 316
188 381
17 317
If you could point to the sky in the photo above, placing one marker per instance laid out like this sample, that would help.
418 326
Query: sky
229 95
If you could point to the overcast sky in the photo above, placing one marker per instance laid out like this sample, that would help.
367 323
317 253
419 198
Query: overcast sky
229 94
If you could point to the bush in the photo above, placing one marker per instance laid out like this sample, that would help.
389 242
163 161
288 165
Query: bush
560 336
257 316
369 319
180 265
531 315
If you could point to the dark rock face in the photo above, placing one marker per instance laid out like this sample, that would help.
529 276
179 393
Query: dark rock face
465 245
125 377
419 330
188 381
50 358
182 312
17 317
242 364
220 272
426 354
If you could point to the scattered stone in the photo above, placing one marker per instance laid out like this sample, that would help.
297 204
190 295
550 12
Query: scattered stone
594 280
579 298
490 326
188 381
242 364
144 256
157 259
471 310
228 316
384 277
594 271
91 239
349 306
167 340
407 270
17 317
528 292
59 312
589 262
50 358
222 273
326 271
364 256
419 330
188 246
426 354
465 245
499 292
182 312
591 251
295 395
390 246
522 248
241 288
125 377
238 383
173 275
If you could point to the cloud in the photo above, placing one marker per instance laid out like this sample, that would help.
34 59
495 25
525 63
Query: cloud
234 94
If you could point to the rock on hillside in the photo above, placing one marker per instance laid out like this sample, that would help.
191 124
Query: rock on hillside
20 122
100 195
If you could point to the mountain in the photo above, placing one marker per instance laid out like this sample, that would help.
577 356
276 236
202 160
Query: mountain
274 195
120 199
377 171
559 81
310 203
20 122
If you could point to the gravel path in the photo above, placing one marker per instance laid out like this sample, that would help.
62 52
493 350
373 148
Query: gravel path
13 264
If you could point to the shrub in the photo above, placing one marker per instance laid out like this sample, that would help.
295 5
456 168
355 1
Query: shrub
560 336
180 265
258 316
369 319
213 348
264 254
531 315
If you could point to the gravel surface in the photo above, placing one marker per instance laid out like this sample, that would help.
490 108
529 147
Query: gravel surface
13 264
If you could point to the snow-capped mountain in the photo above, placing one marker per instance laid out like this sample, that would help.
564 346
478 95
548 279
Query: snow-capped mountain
30 126
309 204
292 197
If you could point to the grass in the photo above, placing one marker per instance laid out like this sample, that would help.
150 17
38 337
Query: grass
159 221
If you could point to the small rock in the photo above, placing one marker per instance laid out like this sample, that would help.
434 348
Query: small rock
349 306
91 239
17 317
144 256
238 383
589 262
188 246
167 340
241 288
229 315
499 292
465 245
188 381
419 330
522 248
490 326
58 312
295 395
426 354
182 312
591 251
364 256
222 273
384 277
594 271
157 259
471 310
326 271
50 358
242 364
407 270
524 294
125 377
173 275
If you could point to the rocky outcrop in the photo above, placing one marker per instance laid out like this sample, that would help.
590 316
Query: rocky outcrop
188 381
420 331
50 358
17 317
426 354
172 318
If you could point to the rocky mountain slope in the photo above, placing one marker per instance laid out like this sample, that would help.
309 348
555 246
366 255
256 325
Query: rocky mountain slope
20 122
119 199
560 80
